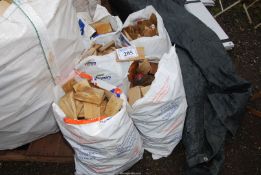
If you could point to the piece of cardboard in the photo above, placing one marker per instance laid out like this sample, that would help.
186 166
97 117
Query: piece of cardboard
134 94
141 53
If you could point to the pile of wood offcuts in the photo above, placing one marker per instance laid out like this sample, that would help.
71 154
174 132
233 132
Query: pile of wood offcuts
99 50
142 28
141 75
83 100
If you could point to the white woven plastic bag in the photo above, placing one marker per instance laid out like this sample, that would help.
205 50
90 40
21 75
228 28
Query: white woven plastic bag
160 114
33 33
107 145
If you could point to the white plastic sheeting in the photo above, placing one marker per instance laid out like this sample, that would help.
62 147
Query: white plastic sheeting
202 13
26 82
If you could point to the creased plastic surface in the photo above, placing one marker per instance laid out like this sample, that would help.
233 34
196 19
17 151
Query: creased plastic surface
160 114
26 85
109 146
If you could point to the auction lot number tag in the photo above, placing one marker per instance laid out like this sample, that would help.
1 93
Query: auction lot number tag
126 53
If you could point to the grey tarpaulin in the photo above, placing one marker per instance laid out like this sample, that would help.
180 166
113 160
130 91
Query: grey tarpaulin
216 95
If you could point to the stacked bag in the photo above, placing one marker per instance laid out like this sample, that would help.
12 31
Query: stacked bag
70 57
154 121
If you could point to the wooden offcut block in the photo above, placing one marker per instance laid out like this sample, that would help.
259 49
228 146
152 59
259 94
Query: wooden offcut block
68 86
106 46
102 27
79 107
134 94
154 68
90 95
113 106
103 107
3 7
67 104
81 86
108 94
91 111
144 90
144 67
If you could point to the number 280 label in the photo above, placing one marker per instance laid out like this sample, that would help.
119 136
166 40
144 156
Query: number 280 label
126 53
